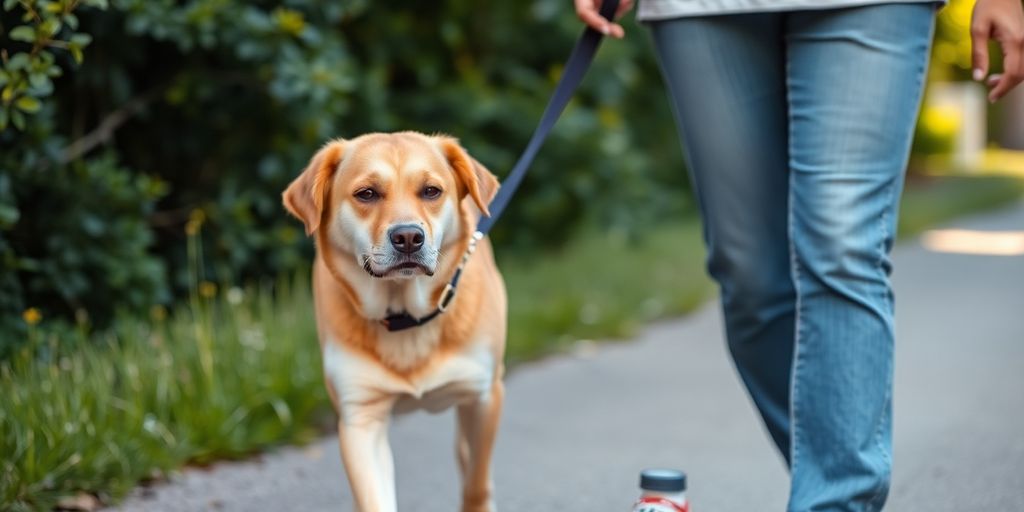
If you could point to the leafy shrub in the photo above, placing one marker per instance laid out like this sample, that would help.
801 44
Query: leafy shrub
257 87
74 244
224 101
26 75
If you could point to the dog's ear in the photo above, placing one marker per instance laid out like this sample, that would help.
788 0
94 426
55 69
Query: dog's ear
479 182
305 197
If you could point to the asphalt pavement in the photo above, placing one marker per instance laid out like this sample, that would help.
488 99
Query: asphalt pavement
578 427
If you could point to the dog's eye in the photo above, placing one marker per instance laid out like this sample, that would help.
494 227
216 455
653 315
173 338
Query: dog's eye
367 195
431 193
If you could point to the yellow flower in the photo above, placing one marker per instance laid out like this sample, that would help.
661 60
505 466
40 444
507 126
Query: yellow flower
290 21
207 289
32 316
609 117
195 221
158 313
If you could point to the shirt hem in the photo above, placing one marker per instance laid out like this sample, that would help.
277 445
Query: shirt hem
697 8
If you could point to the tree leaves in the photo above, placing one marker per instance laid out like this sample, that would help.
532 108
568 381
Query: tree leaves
23 33
26 75
28 104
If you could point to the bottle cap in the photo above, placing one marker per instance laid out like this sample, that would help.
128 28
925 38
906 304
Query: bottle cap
667 480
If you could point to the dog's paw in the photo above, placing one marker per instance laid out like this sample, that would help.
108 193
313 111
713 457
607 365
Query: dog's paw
478 504
486 507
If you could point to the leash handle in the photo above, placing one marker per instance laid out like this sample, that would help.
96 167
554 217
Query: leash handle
579 61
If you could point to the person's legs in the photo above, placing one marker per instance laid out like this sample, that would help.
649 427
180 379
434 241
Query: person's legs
854 78
726 80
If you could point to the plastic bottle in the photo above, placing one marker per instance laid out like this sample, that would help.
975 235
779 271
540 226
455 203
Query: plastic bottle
662 490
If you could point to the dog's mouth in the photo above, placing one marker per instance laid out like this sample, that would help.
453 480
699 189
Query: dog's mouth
407 268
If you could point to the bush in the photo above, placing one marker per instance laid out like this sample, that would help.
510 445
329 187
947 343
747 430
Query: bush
224 101
74 244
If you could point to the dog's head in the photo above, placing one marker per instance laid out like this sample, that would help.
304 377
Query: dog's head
393 201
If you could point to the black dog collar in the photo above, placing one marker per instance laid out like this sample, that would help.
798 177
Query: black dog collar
402 321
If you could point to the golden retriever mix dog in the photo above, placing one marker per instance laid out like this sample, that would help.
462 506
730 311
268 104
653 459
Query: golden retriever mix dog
392 216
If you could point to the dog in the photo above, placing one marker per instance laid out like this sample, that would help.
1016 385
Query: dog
392 215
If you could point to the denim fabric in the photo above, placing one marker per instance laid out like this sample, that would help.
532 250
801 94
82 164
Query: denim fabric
797 128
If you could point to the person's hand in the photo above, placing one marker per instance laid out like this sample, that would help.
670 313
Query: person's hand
1002 20
588 11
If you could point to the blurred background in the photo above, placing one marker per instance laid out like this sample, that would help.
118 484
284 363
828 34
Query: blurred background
153 292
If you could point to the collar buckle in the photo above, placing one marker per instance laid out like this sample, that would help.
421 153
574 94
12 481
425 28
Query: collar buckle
446 297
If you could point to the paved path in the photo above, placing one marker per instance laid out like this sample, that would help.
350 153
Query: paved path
578 428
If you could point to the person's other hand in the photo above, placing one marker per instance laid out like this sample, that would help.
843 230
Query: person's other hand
1002 20
588 11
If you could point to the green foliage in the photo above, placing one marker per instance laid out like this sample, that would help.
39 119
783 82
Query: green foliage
224 101
309 71
222 378
45 30
602 285
930 200
74 244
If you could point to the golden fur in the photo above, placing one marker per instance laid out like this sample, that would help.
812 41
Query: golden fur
456 359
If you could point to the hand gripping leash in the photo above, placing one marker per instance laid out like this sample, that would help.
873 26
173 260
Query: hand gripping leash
579 61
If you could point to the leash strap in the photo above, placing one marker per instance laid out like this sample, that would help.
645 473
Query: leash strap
576 67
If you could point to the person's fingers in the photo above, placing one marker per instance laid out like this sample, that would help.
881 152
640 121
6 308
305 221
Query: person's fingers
981 27
1013 66
993 80
587 12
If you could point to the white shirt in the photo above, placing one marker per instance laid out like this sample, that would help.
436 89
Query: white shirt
664 9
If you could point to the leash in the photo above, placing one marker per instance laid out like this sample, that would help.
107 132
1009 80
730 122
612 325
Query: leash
577 65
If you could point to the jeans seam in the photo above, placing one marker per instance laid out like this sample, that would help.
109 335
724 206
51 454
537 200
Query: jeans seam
794 270
880 492
795 369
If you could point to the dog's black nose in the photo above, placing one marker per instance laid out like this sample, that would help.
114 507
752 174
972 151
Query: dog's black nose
407 239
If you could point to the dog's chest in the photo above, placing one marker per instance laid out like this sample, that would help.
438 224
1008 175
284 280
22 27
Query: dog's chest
460 377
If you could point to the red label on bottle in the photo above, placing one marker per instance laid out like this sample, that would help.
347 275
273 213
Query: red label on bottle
655 504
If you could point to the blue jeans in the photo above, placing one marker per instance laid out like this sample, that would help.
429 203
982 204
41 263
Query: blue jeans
797 128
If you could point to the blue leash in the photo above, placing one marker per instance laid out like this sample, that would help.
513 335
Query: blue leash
579 61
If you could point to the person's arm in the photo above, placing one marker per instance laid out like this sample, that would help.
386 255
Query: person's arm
1003 21
587 10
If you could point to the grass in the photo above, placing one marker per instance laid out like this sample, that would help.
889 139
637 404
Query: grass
234 372
220 379
603 286
931 200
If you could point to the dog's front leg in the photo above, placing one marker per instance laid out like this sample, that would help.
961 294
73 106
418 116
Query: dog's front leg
366 454
478 427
